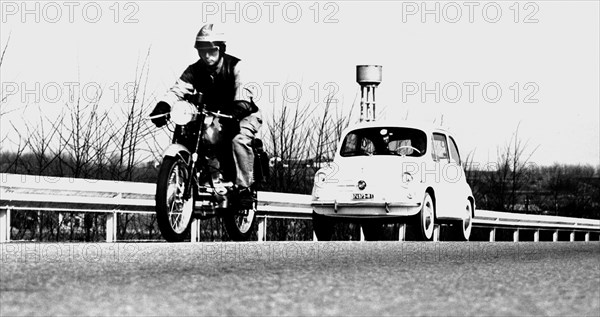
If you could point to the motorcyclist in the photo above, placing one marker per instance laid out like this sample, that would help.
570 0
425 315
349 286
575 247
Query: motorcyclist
218 77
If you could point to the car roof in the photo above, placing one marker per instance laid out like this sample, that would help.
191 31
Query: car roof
421 125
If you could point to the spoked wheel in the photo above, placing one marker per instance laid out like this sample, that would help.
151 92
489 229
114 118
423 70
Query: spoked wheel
240 222
461 230
173 212
422 224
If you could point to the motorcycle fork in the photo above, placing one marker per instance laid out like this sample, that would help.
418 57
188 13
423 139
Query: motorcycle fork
188 189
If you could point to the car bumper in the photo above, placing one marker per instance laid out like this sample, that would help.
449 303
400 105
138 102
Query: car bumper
365 209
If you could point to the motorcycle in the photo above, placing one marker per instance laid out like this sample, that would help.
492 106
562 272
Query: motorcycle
190 181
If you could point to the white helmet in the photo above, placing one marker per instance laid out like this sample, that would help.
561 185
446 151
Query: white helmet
208 37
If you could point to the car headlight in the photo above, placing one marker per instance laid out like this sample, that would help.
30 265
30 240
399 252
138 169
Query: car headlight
183 113
320 178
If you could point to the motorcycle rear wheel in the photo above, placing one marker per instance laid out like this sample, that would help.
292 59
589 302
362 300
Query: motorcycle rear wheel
173 212
240 223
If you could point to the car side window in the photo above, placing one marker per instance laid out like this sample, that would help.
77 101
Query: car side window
454 156
440 146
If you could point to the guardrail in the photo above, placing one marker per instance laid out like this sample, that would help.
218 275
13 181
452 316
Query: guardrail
43 193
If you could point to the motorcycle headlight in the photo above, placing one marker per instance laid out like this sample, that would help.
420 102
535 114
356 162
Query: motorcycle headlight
183 113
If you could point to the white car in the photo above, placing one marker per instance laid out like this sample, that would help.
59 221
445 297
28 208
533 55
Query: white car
394 172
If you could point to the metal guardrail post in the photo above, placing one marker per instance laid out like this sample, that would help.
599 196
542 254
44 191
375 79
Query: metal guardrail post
195 231
402 232
536 236
111 226
516 235
5 225
362 234
436 233
262 229
492 234
587 237
555 236
572 236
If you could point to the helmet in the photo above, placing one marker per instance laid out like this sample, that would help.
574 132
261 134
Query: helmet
208 37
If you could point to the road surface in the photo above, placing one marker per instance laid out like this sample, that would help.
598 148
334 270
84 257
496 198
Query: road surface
301 278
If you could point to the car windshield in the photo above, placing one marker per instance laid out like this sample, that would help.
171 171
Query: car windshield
385 141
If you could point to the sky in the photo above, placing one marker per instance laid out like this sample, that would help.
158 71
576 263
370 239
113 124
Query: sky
480 68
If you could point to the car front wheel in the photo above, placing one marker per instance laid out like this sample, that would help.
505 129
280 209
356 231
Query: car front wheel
461 230
422 224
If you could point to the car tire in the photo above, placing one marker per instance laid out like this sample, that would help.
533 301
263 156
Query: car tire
461 230
422 225
322 227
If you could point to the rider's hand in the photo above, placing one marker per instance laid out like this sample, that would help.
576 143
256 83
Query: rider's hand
242 109
238 114
161 108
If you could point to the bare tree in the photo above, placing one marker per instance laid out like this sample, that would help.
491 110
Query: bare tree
512 173
569 190
300 138
132 133
9 161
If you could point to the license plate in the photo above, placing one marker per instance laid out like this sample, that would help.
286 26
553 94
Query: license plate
362 196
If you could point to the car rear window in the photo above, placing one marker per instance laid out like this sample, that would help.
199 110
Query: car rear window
385 141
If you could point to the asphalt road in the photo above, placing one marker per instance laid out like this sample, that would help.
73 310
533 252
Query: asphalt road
301 278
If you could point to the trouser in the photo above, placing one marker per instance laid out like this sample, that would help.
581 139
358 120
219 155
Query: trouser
242 149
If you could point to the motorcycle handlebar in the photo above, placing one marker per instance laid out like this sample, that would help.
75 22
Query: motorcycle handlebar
157 116
218 114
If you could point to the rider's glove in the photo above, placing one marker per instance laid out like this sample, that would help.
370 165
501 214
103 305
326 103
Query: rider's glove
242 109
161 108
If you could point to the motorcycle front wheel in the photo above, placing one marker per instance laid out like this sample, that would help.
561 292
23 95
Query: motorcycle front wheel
239 222
173 212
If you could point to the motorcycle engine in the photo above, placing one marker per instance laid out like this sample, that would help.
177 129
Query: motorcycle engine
213 130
